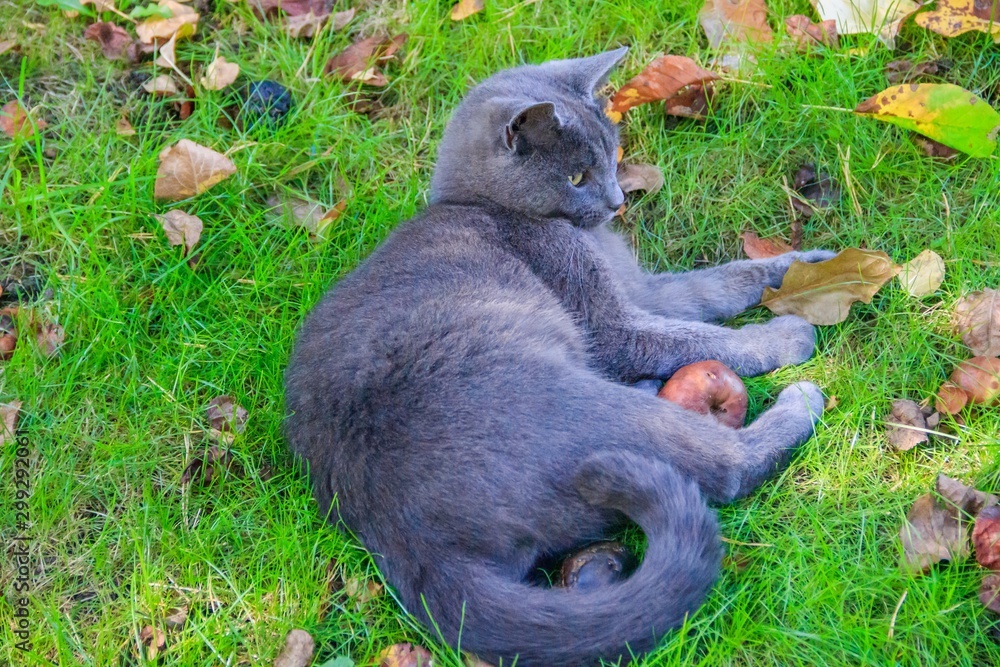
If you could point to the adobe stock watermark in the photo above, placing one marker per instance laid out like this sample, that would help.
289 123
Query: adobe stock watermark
20 550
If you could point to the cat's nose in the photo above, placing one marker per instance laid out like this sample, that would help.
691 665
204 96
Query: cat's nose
615 197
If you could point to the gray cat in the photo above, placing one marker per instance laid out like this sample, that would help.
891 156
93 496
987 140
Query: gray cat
463 394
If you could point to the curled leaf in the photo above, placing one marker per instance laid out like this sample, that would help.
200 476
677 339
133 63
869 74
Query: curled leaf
943 112
923 274
823 292
906 425
181 228
162 85
113 39
182 23
976 318
969 500
905 71
807 34
225 416
933 531
361 60
219 74
632 177
188 169
662 79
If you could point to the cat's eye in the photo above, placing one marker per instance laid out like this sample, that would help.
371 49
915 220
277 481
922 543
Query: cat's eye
576 179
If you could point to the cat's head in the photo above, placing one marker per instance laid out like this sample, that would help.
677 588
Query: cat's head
535 139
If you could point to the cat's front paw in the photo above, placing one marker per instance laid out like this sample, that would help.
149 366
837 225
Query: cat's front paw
793 339
803 397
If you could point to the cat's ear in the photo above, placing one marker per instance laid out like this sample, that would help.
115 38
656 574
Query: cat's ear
589 74
535 125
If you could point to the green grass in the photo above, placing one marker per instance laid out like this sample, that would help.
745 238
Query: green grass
114 420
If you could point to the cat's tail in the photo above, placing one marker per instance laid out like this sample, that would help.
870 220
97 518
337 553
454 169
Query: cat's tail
554 627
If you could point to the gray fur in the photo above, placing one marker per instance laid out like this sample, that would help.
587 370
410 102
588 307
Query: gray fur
463 393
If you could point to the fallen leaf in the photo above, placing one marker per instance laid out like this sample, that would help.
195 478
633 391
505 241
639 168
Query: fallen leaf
404 655
989 592
632 177
8 334
16 123
298 651
182 23
8 421
181 228
808 35
220 73
933 531
360 61
49 336
265 8
952 18
154 640
662 79
817 190
757 248
188 169
177 617
205 469
162 85
690 101
976 318
728 21
979 378
944 112
113 39
905 71
823 292
329 218
361 591
466 8
986 537
8 45
123 128
923 274
950 399
881 17
933 148
304 25
225 416
902 415
969 500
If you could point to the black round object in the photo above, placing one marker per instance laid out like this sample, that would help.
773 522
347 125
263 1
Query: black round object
265 101
598 565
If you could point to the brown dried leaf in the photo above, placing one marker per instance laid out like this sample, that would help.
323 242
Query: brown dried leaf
177 617
905 413
989 592
265 8
305 25
16 123
952 18
181 228
154 640
823 292
226 416
123 128
969 500
156 30
405 655
662 79
205 469
735 21
298 651
950 399
986 537
361 591
49 336
933 148
8 45
933 531
113 39
360 61
188 169
632 177
466 8
8 421
162 85
690 102
977 318
817 190
979 378
219 74
757 248
808 35
923 274
905 71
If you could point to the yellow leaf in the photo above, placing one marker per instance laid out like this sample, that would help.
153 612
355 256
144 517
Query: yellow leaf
220 74
466 8
956 17
823 292
923 274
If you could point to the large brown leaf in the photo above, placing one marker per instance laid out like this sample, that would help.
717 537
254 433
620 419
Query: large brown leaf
360 61
188 169
933 531
662 79
823 292
977 319
113 39
727 21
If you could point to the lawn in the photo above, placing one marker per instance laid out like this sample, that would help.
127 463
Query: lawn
118 542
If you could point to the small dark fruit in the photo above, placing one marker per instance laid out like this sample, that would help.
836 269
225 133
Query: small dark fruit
266 102
598 565
709 388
